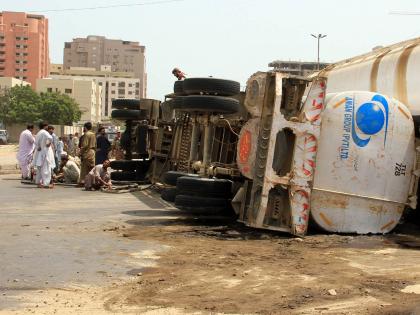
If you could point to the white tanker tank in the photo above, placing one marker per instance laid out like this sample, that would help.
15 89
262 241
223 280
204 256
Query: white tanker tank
393 71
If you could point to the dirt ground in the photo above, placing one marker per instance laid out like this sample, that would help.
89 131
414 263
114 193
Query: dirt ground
214 265
220 268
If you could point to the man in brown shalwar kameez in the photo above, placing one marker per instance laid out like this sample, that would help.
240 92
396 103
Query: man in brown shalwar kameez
87 151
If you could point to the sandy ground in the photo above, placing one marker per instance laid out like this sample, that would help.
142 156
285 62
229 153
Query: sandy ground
231 269
8 156
216 266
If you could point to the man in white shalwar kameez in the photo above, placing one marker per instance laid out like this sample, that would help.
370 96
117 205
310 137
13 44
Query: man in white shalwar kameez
26 151
44 157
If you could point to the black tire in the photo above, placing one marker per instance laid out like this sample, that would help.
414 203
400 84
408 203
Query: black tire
171 177
125 141
128 165
129 114
141 139
179 87
197 186
122 103
208 104
123 176
211 86
201 205
169 194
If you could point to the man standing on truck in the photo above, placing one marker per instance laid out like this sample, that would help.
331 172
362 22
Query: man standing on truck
26 151
87 151
178 74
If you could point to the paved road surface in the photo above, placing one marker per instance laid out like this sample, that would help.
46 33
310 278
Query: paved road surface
63 237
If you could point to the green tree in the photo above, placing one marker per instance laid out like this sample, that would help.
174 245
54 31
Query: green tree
59 109
20 104
5 106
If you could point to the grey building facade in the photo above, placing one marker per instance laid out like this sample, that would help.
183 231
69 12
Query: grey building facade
99 52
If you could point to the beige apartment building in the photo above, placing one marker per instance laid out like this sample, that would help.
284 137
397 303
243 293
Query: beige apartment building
118 55
114 84
9 82
87 93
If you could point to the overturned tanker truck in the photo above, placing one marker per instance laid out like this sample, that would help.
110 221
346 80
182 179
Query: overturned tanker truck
344 162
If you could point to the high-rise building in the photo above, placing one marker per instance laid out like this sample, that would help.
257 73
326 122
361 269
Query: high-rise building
23 46
98 51
114 84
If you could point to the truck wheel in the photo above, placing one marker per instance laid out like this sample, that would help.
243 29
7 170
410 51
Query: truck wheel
169 194
123 176
197 186
208 104
123 103
201 205
128 165
171 177
179 87
129 114
211 86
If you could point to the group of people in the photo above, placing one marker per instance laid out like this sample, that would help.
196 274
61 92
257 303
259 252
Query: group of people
73 160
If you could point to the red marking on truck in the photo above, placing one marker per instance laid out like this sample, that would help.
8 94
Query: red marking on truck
245 146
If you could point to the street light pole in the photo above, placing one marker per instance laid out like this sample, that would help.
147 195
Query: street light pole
318 37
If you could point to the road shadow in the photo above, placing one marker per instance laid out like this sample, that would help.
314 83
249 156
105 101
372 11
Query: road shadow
150 199
155 213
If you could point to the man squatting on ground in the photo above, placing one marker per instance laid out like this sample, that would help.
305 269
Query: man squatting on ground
26 151
68 172
99 177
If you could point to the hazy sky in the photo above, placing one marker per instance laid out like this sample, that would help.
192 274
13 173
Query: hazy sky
228 38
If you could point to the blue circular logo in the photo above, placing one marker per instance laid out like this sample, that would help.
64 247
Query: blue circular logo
370 118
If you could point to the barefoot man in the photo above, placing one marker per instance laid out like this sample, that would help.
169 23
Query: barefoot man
44 157
26 151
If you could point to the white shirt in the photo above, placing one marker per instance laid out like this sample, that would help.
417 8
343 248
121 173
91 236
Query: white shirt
43 150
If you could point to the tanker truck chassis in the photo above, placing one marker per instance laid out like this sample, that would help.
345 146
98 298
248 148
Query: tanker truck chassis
347 161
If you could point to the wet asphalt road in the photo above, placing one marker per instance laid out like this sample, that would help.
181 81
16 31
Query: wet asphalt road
64 237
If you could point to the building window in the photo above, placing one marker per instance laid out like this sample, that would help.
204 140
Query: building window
121 84
100 83
68 91
112 84
112 92
137 92
49 90
137 85
129 92
121 91
130 85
